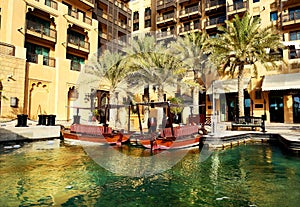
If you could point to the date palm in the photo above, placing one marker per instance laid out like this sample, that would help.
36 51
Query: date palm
109 69
190 50
243 42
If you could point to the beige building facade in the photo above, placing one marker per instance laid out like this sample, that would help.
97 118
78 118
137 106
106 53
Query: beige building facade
44 44
274 92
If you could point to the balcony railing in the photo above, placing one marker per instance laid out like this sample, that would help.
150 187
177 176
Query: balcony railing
237 6
294 54
74 14
31 57
7 49
75 65
50 3
40 29
185 29
189 10
165 34
78 43
87 20
166 17
214 3
215 21
165 4
292 16
49 61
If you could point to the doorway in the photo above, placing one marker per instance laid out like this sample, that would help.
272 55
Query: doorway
296 109
276 108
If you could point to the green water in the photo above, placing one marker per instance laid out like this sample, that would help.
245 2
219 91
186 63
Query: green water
252 175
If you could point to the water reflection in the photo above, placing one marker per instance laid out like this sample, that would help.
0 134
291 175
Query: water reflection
255 175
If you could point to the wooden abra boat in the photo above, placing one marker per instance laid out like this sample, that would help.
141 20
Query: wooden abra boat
94 134
170 137
182 137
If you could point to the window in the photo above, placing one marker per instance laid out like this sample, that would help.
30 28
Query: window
294 13
295 35
135 26
273 16
255 1
38 25
76 38
147 12
75 62
34 50
148 23
136 15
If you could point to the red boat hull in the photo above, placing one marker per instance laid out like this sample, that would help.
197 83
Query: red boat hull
111 139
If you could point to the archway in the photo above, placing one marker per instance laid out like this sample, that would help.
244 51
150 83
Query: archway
72 96
38 99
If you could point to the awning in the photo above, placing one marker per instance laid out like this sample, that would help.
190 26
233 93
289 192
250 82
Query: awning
226 86
281 82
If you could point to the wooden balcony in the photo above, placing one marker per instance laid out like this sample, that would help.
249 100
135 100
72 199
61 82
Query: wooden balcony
38 30
239 7
213 5
165 35
190 12
78 44
167 18
163 4
291 19
215 22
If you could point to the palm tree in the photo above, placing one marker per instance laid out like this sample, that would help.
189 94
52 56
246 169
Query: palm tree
153 66
243 42
190 49
111 70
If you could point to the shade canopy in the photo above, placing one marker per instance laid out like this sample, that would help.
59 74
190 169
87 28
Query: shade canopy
281 82
226 86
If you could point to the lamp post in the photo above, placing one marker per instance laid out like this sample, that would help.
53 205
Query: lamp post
214 118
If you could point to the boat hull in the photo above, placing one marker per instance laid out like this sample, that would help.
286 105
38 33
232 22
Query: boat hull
178 143
110 139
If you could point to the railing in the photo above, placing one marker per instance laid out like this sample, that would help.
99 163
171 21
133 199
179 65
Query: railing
215 21
73 14
41 29
236 6
49 61
294 54
214 3
189 10
165 17
87 20
78 42
292 16
76 66
165 34
102 14
185 29
31 57
165 3
197 25
7 49
50 3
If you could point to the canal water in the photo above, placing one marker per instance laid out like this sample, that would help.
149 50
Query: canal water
51 174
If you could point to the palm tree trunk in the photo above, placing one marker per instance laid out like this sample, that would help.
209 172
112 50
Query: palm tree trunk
195 100
160 111
241 90
113 111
